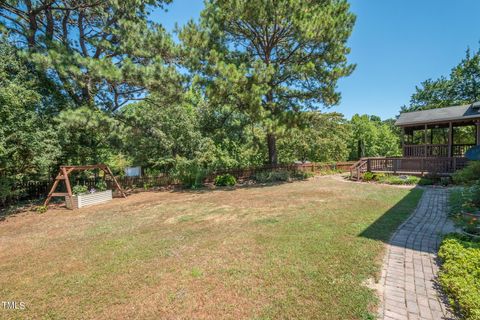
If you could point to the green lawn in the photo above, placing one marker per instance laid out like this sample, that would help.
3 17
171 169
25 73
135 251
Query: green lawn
295 250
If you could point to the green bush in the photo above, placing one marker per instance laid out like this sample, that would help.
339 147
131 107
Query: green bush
402 180
469 174
368 176
460 274
225 180
79 189
272 176
279 176
445 181
189 173
465 199
41 209
6 192
301 175
147 186
101 186
456 201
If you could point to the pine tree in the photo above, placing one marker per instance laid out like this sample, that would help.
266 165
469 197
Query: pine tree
102 53
270 58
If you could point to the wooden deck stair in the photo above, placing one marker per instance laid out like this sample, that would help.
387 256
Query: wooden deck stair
408 165
358 169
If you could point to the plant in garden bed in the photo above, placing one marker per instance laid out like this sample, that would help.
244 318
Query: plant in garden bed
79 190
101 186
460 274
279 176
396 180
465 208
225 180
468 175
190 173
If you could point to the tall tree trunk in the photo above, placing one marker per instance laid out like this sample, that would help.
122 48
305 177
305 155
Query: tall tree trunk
271 138
272 148
361 149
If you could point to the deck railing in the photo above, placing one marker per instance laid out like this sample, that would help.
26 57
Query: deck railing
459 150
424 165
434 150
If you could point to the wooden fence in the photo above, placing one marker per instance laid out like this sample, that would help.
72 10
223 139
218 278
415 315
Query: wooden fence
34 190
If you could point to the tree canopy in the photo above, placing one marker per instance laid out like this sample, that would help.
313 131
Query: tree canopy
461 87
372 137
271 59
97 53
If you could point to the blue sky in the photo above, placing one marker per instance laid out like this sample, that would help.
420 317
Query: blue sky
396 44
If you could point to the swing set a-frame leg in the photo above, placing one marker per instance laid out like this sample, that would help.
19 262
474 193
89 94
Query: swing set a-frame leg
62 175
117 185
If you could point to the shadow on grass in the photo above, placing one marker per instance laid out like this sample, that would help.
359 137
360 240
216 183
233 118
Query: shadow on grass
383 228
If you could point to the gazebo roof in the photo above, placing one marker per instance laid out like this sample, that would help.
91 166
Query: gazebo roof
456 113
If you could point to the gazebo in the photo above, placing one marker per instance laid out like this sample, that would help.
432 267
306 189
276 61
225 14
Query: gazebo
433 142
442 132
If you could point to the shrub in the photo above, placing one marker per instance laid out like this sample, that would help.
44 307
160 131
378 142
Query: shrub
426 182
402 180
368 176
147 186
79 189
101 186
272 176
456 201
467 175
189 173
6 192
474 191
276 176
41 209
460 274
301 175
445 181
225 180
465 199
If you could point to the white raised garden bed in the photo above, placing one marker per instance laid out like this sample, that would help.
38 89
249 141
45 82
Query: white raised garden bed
88 199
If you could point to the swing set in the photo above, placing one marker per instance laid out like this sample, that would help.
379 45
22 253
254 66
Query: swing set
63 176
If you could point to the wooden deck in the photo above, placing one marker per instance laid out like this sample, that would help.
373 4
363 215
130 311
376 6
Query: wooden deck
441 166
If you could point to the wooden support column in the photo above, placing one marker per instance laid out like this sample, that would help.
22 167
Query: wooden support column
450 139
402 139
425 133
478 132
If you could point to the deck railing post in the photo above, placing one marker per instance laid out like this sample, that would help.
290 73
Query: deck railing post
369 166
450 139
425 132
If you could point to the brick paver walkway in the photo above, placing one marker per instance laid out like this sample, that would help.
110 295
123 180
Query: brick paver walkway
408 277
